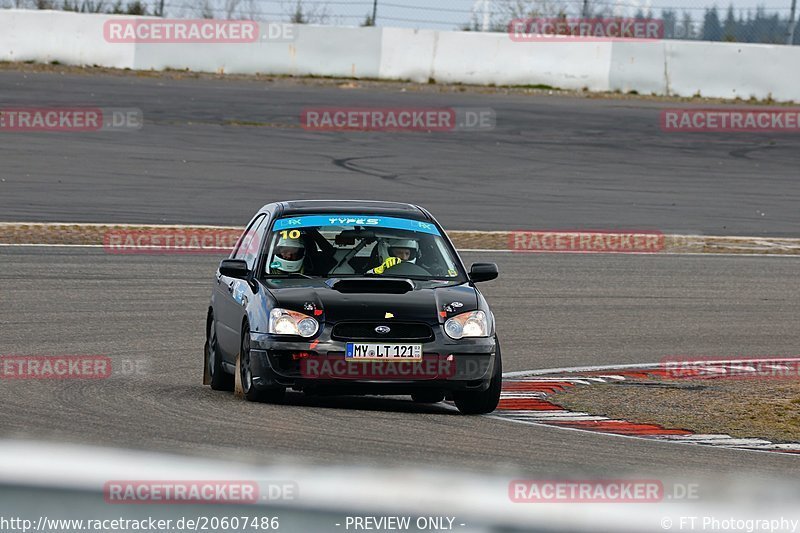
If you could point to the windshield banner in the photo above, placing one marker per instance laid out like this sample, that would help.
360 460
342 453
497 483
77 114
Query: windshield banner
356 220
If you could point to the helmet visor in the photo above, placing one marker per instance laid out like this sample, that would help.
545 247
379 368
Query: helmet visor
290 253
401 252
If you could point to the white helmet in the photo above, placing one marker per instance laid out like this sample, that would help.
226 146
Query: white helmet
385 248
288 256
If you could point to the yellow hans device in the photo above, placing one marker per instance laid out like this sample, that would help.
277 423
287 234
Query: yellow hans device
389 263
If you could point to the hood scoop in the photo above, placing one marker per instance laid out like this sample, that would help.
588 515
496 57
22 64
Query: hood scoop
372 286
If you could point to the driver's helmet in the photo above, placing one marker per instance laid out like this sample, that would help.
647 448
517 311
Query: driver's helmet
405 249
288 256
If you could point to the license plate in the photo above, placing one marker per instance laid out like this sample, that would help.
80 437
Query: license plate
383 352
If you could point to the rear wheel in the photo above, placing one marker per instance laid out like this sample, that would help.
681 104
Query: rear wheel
428 396
482 402
217 377
266 395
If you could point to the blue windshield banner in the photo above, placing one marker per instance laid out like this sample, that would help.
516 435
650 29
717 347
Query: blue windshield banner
366 221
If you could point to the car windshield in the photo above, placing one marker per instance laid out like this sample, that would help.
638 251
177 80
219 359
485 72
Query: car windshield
358 245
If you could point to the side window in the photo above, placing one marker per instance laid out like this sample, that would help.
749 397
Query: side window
248 247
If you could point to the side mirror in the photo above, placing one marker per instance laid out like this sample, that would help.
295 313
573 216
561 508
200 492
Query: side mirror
234 268
483 272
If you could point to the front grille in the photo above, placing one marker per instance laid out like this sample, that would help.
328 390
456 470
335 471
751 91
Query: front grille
365 331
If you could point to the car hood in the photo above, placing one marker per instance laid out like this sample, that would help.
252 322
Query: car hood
373 299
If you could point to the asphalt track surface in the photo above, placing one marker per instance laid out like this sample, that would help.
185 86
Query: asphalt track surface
553 162
553 310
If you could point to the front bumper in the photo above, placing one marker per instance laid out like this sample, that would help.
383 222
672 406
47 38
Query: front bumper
447 365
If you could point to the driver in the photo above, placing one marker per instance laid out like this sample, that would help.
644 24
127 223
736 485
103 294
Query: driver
288 257
395 251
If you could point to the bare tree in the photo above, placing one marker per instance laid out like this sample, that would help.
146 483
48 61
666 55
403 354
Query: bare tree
91 6
230 8
507 10
86 6
206 9
518 9
250 11
300 13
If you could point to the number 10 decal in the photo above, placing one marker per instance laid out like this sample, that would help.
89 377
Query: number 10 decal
290 234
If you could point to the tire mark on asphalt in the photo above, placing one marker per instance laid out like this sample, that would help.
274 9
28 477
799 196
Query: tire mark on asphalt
349 164
742 153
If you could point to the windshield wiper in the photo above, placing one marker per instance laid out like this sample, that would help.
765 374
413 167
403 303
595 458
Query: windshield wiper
293 275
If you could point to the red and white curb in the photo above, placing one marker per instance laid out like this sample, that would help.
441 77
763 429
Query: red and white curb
524 400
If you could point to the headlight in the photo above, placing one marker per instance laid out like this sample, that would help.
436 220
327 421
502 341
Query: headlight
285 322
470 324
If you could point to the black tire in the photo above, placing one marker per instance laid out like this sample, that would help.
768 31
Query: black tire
251 393
482 402
218 378
428 396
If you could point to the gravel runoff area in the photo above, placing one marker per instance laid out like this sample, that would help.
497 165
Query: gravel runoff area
744 408
350 83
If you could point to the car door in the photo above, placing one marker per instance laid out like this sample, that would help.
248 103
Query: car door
233 294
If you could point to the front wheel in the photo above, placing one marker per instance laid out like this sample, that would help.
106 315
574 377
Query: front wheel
482 402
251 393
215 375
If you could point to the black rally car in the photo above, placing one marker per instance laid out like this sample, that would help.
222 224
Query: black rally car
352 297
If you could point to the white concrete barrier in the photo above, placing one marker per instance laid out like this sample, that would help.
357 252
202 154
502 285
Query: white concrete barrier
407 54
682 68
315 50
638 66
730 70
69 38
492 58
